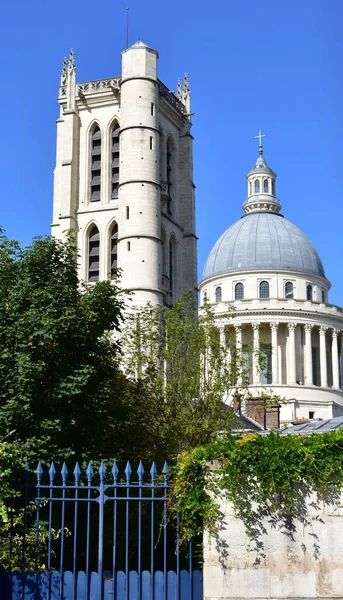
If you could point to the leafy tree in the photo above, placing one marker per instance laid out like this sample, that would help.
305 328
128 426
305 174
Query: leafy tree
58 355
184 372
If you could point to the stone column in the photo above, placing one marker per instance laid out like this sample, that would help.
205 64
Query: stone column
222 336
308 354
275 363
256 374
335 359
322 349
291 358
239 345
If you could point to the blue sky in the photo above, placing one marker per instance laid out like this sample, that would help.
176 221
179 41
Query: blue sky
275 66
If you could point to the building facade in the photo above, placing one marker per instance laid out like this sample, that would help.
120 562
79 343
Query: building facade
124 178
270 271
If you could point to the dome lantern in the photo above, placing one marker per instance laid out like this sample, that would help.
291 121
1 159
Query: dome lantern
261 185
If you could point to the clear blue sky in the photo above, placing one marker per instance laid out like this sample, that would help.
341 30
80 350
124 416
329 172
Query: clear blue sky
271 65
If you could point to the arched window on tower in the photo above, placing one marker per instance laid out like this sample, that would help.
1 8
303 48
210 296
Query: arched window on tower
273 187
288 289
309 292
323 295
115 161
239 291
266 186
250 188
218 294
257 186
264 289
95 164
171 265
170 173
114 250
93 254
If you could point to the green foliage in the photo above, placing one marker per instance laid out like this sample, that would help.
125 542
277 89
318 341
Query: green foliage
58 358
265 477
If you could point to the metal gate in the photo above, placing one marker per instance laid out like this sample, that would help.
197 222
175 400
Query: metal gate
104 535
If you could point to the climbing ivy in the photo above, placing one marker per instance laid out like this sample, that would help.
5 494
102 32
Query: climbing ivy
264 477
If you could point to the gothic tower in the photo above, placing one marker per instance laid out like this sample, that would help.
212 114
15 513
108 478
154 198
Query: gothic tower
124 178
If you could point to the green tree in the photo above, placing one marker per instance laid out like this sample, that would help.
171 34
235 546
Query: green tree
184 372
59 359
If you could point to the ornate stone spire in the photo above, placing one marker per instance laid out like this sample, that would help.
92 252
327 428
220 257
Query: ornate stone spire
71 82
179 90
63 82
261 185
183 93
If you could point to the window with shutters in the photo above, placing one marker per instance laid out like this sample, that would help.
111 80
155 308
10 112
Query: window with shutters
264 289
115 161
114 250
239 291
218 294
93 254
95 165
288 289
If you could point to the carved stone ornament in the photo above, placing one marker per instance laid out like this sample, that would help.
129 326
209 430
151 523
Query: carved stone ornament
323 329
274 326
291 327
308 327
335 332
255 326
71 63
63 82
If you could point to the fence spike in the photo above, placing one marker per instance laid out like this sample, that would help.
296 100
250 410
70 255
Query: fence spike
39 472
115 471
52 471
77 473
102 471
89 473
128 471
140 471
165 469
64 472
153 470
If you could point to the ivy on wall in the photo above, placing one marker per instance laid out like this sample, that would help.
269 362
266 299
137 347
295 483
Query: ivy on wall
265 477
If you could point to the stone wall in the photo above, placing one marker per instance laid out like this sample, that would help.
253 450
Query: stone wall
308 566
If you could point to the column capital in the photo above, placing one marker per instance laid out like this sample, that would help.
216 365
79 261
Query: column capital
274 326
323 329
238 327
291 326
308 327
334 332
255 326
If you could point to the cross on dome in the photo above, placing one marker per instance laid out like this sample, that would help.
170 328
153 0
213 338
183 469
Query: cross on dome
259 137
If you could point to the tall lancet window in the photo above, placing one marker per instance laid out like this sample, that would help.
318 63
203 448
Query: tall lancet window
96 165
114 250
265 186
171 265
170 174
257 186
93 254
115 162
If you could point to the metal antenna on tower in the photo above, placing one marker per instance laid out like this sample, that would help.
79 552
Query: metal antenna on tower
127 26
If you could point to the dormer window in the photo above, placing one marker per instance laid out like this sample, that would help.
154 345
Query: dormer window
266 186
257 186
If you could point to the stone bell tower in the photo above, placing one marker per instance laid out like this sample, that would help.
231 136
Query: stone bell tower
124 178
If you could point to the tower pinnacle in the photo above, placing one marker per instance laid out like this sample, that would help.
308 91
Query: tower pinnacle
259 137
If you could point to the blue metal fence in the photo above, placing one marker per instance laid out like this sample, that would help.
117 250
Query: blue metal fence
104 535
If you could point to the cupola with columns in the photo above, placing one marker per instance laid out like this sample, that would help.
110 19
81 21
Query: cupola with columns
272 273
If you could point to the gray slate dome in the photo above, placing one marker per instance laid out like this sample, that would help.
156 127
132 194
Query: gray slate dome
263 240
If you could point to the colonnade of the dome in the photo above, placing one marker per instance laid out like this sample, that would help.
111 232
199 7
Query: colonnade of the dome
300 353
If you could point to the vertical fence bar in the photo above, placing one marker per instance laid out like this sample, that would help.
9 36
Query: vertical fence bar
115 472
64 473
140 473
39 473
165 492
52 473
101 500
76 474
89 474
153 472
191 569
128 472
23 551
178 558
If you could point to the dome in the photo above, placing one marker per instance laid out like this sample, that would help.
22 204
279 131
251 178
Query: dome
263 240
